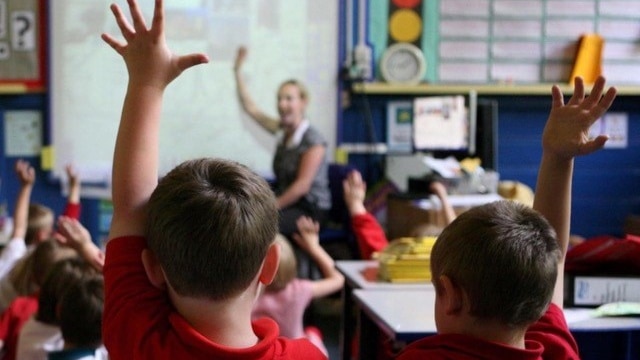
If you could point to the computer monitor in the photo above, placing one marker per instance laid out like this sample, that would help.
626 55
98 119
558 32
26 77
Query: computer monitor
475 133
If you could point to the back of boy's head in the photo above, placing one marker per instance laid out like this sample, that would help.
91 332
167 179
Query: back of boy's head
210 224
80 315
62 276
287 266
40 219
29 274
504 255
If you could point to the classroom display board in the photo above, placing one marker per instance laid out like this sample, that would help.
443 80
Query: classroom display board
518 41
21 47
201 116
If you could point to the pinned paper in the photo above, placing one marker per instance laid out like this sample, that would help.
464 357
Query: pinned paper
47 158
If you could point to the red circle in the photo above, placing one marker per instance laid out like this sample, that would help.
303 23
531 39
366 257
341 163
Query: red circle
406 3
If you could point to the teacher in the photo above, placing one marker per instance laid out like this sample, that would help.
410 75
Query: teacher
299 164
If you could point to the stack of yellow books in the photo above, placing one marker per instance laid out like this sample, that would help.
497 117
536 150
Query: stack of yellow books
406 260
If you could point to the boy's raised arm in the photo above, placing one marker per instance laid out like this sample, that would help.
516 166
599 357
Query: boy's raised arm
151 67
565 136
27 176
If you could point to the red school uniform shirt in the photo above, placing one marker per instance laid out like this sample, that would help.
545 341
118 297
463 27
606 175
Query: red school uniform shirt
12 320
369 234
548 338
140 322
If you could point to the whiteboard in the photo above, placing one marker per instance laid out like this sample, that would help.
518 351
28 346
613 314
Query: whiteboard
201 115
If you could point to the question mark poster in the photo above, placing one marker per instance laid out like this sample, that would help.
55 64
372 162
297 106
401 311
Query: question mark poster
21 50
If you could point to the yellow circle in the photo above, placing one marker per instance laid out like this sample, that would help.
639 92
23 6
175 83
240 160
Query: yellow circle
405 25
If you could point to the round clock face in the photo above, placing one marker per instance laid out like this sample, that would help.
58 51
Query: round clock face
403 63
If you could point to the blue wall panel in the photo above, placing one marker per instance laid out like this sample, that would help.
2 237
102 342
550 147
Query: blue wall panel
46 190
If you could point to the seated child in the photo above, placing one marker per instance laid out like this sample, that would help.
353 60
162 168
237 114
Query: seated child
41 333
498 268
41 260
369 234
80 319
33 223
186 256
287 297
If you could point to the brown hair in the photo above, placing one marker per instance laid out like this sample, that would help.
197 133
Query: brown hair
504 256
287 266
81 309
210 224
40 218
64 274
31 271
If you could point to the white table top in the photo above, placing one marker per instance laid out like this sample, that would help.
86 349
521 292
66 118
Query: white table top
402 314
408 314
361 274
433 202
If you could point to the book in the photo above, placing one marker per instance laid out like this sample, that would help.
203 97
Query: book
593 291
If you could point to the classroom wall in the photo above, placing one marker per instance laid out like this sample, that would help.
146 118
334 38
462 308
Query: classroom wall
47 190
605 187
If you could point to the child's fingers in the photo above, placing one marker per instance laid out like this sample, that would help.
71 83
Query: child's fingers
594 145
136 15
157 24
126 29
578 92
595 95
604 103
115 44
187 61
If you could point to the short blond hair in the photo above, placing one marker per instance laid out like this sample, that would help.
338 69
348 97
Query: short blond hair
40 218
287 267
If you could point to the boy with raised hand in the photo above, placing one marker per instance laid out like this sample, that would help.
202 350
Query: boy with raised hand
498 268
370 236
186 256
16 248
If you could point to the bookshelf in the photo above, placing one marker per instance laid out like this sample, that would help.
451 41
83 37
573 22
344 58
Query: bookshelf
382 88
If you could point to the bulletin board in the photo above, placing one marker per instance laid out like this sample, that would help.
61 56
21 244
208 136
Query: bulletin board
22 50
519 41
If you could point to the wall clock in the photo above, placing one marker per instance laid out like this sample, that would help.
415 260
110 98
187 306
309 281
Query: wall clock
403 63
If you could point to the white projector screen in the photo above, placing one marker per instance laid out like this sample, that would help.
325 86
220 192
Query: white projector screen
201 116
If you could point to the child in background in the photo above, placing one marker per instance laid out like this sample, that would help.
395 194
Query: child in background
32 223
498 268
187 256
80 319
369 234
287 297
41 261
41 333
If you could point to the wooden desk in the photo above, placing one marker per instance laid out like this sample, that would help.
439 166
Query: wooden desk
362 274
407 315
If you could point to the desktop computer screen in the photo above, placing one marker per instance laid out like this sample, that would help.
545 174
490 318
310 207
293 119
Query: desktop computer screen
460 126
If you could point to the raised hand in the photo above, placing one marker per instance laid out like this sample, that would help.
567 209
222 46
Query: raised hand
566 133
26 173
149 60
241 56
355 190
72 176
73 234
307 236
